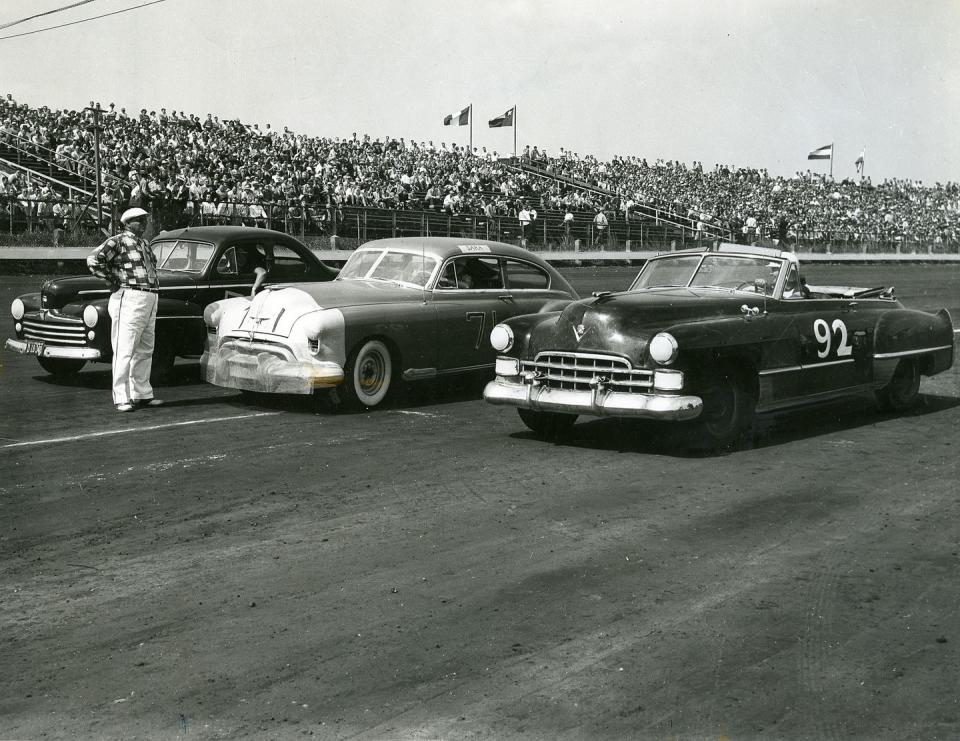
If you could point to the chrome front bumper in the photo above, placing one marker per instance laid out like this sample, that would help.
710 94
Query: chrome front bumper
597 402
43 350
263 371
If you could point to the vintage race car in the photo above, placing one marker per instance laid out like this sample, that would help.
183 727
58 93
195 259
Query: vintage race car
410 308
67 324
714 337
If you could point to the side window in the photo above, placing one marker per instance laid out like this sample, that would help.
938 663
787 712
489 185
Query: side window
227 264
472 273
287 265
242 260
522 275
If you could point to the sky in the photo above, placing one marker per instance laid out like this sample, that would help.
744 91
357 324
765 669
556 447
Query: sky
748 83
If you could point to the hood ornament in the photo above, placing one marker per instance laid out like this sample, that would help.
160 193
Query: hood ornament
579 331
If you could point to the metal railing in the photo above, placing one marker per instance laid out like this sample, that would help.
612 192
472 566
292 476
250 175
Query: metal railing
348 226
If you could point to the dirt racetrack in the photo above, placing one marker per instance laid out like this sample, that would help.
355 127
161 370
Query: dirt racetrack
221 569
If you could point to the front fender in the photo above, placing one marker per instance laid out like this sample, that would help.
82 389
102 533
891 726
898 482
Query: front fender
530 330
31 301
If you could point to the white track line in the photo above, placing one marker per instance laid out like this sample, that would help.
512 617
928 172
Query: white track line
128 430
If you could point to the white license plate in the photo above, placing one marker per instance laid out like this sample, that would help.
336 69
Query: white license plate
33 347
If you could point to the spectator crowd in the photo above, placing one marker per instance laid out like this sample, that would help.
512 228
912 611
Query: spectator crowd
183 169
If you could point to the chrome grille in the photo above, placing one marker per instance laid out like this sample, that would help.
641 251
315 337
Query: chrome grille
577 371
54 330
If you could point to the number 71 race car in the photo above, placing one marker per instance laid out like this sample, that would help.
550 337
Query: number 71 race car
710 338
410 308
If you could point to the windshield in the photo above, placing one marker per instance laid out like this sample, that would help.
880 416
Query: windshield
673 271
183 256
735 272
409 268
757 274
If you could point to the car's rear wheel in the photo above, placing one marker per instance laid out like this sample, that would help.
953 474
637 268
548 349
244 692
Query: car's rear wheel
901 393
367 376
61 367
548 424
728 410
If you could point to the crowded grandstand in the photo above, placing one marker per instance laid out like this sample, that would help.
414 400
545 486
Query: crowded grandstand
186 169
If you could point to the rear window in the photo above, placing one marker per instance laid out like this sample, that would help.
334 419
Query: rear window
522 275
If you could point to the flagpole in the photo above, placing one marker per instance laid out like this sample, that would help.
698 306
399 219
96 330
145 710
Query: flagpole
471 129
514 131
833 153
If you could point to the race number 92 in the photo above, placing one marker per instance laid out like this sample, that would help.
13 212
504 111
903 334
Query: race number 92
826 334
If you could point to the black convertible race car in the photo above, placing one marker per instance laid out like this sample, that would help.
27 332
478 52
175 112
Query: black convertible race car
67 324
709 338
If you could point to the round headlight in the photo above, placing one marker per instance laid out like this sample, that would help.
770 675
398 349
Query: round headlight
17 309
663 348
90 315
501 337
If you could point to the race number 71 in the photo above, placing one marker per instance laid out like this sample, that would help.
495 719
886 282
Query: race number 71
825 333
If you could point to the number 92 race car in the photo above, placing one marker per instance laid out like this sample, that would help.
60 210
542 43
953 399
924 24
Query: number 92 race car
711 337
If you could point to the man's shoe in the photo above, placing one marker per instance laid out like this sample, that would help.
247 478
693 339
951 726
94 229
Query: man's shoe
126 407
149 402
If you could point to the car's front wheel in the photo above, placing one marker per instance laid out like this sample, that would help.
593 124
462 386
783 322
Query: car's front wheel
901 393
548 424
728 410
367 376
61 367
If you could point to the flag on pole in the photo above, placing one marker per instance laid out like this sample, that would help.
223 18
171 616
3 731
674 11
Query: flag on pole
823 153
462 118
505 120
859 162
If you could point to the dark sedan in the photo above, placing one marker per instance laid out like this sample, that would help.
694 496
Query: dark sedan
66 324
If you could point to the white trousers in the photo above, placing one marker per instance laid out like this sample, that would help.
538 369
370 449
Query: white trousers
134 317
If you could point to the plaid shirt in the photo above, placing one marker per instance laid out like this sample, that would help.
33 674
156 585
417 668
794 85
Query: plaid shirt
125 260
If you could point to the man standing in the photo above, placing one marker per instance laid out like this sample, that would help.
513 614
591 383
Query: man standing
525 220
600 223
128 264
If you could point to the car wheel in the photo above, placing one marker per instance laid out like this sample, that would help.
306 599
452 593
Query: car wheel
728 409
61 367
367 376
548 424
903 389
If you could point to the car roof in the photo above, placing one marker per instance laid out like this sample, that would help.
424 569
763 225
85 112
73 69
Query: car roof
221 233
444 247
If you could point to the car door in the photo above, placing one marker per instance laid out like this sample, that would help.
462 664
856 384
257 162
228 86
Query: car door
231 271
469 298
835 340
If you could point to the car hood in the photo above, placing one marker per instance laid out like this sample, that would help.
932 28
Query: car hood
276 309
340 293
59 292
622 323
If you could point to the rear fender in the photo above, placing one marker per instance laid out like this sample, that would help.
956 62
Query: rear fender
900 332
